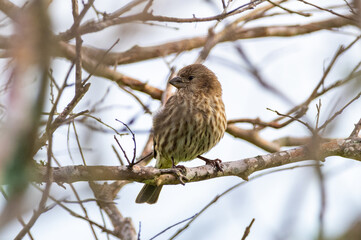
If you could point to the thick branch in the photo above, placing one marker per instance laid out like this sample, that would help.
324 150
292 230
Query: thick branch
9 8
348 148
93 59
137 53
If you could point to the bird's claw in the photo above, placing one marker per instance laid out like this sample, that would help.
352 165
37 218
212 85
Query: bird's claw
216 163
179 171
181 168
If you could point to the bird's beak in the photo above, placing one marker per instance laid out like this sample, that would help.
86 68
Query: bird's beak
177 82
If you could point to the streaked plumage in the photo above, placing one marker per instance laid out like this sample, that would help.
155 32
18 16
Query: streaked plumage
191 122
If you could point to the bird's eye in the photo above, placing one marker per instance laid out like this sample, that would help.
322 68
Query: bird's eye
190 78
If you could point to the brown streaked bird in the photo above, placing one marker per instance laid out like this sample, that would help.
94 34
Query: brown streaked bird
192 122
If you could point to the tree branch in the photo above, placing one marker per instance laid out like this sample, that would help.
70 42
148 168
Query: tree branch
136 53
105 194
349 148
253 137
93 66
96 26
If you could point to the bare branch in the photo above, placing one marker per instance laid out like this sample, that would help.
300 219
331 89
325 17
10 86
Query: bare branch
247 230
216 198
253 137
349 148
327 10
137 53
324 125
106 193
89 65
92 26
356 130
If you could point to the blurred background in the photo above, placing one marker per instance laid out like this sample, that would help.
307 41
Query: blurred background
256 73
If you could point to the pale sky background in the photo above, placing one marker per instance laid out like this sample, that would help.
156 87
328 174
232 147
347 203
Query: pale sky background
284 204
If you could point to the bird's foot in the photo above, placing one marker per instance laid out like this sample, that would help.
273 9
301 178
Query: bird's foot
179 171
182 168
216 163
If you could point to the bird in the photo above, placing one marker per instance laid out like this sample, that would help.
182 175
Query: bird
191 122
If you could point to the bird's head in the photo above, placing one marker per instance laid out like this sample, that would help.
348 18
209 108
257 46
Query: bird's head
197 78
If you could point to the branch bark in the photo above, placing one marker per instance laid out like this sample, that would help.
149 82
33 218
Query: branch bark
348 148
92 63
136 53
106 193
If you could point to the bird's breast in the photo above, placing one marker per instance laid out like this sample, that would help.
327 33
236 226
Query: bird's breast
188 129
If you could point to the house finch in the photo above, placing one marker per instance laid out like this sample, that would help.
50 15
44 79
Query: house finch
192 121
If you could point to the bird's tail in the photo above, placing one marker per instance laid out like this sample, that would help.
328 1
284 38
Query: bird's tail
149 194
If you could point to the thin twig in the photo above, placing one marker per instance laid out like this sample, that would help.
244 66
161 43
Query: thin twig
247 230
174 225
118 156
74 214
78 143
215 199
326 10
78 43
322 189
20 219
95 26
324 125
121 148
293 118
79 201
289 10
134 142
146 108
99 63
257 75
356 130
